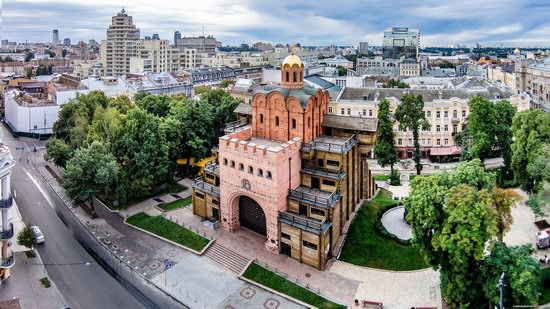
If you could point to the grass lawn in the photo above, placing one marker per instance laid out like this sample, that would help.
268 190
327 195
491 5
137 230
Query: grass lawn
169 188
179 203
381 177
365 246
544 291
272 280
163 227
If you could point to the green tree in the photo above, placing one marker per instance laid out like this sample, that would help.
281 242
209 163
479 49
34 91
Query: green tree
503 201
395 83
28 73
9 59
531 128
341 70
142 152
410 114
522 283
200 89
58 151
26 237
504 116
222 106
65 120
158 105
538 167
226 82
122 103
384 147
106 127
91 171
481 127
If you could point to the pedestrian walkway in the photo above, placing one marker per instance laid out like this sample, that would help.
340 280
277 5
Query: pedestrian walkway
394 223
227 257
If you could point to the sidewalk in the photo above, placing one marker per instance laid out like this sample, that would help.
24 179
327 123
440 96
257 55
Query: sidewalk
23 282
407 166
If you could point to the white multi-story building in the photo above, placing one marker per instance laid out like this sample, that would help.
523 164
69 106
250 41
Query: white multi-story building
534 78
377 66
154 56
409 67
446 111
6 203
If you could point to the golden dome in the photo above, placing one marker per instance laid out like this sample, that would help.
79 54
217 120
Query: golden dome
292 60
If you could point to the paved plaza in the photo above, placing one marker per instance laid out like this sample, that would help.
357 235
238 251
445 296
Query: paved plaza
394 223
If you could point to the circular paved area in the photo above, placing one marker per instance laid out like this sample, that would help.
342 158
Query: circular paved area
394 223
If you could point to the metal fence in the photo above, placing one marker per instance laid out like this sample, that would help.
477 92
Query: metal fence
146 291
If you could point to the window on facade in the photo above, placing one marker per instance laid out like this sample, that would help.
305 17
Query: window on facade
446 141
333 163
199 195
446 113
251 170
330 109
463 114
349 111
342 111
410 141
261 118
370 112
277 120
437 114
260 172
294 123
455 114
446 128
268 175
285 236
428 114
399 142
318 212
294 79
422 142
241 166
224 161
287 76
327 182
455 128
429 142
438 142
232 163
438 128
309 122
309 245
215 202
364 112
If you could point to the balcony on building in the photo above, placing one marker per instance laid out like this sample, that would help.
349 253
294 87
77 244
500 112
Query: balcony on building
303 223
7 234
236 125
332 144
314 197
6 203
212 167
322 172
205 187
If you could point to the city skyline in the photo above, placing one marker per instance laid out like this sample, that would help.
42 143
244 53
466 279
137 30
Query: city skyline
441 23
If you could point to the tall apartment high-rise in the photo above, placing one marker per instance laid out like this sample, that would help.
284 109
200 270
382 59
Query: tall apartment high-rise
401 42
364 48
67 42
55 37
118 48
177 36
6 202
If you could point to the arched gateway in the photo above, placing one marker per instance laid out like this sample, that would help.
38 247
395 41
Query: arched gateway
251 215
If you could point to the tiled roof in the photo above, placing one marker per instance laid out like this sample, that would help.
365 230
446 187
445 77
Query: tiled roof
352 123
302 94
378 94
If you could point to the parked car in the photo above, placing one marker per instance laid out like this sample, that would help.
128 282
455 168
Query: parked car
38 233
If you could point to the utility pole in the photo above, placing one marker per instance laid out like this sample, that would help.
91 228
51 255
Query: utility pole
501 287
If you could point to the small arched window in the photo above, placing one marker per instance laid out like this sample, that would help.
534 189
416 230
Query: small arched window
241 166
294 79
268 176
287 76
260 172
250 170
232 164
301 78
224 161
309 122
261 118
277 120
294 123
455 114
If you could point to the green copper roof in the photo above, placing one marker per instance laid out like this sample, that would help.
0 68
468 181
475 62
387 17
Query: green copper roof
302 94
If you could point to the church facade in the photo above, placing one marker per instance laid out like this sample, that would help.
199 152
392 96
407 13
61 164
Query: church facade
294 174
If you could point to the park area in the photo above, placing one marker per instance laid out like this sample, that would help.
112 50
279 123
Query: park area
367 246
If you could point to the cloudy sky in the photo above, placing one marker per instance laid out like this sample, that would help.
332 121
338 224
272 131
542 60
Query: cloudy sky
310 22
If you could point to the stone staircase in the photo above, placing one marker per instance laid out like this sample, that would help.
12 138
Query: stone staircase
227 257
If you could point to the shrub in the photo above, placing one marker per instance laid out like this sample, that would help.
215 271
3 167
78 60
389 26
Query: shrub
395 178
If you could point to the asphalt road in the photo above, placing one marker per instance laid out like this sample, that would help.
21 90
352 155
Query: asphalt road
81 281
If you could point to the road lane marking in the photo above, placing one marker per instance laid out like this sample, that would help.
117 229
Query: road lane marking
39 188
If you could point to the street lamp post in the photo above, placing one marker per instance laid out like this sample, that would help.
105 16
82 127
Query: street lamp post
501 287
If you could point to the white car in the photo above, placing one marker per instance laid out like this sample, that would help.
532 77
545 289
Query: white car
38 233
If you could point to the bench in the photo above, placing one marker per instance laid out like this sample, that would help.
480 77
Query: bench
372 304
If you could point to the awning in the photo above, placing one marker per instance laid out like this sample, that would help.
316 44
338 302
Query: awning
445 151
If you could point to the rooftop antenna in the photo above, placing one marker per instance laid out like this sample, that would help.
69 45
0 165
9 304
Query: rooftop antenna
123 10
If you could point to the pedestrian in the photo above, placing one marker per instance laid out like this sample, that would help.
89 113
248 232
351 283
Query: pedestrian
545 259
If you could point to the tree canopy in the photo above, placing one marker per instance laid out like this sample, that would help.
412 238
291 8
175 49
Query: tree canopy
384 147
